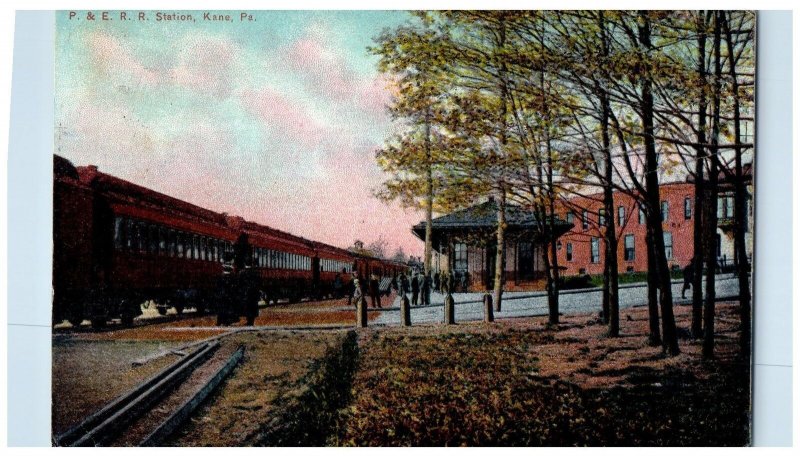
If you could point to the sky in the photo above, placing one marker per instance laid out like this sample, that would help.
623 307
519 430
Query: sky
275 119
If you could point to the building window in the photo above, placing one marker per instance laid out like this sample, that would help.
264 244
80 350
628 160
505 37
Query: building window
641 215
630 248
460 257
664 211
687 208
601 217
725 207
570 217
668 244
747 132
569 252
621 216
595 250
585 219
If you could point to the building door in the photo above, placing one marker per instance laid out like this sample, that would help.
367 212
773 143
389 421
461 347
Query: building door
525 260
491 259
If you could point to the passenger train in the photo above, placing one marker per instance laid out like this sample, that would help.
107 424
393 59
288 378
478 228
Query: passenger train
117 245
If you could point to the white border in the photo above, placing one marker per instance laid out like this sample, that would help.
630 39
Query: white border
773 377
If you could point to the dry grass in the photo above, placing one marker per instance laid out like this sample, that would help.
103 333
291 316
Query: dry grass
520 382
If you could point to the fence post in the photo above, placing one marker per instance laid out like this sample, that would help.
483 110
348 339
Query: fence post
405 311
361 312
488 311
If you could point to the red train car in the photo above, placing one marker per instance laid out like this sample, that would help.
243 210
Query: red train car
145 246
118 245
284 262
334 267
73 256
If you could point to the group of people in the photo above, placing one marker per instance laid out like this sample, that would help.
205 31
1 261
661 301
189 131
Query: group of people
360 288
418 284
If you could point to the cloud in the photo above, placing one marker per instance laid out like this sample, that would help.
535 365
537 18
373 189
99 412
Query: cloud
110 57
284 117
328 73
206 65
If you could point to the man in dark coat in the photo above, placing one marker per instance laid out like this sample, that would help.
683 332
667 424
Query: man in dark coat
426 289
374 292
414 289
436 283
251 294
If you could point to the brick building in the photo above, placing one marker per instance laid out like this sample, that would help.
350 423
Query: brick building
581 250
463 241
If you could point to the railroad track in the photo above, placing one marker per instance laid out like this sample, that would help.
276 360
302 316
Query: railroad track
107 425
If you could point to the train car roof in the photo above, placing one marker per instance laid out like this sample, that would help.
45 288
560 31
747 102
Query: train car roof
107 183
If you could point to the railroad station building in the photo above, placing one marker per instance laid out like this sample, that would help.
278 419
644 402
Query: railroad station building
464 241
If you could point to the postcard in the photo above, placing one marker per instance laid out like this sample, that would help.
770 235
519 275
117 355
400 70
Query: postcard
403 228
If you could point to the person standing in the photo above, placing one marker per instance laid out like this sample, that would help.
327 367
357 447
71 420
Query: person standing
426 289
436 283
374 291
354 284
403 284
414 289
358 294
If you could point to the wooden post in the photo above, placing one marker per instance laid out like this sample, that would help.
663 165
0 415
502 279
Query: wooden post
405 311
449 309
488 311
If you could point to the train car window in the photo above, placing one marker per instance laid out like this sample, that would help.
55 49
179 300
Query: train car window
189 246
141 237
152 239
171 242
162 241
179 244
129 233
195 248
118 232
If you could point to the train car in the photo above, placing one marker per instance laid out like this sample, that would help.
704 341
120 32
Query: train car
284 263
118 245
147 246
333 270
73 256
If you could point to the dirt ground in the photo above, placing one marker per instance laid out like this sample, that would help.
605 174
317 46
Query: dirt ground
89 374
514 382
273 365
191 327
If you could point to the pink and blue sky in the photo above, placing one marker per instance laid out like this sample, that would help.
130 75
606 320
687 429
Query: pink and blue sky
276 120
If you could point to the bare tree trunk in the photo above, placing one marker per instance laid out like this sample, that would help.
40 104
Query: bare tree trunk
652 294
711 220
500 251
428 196
654 219
611 273
740 199
553 273
699 186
